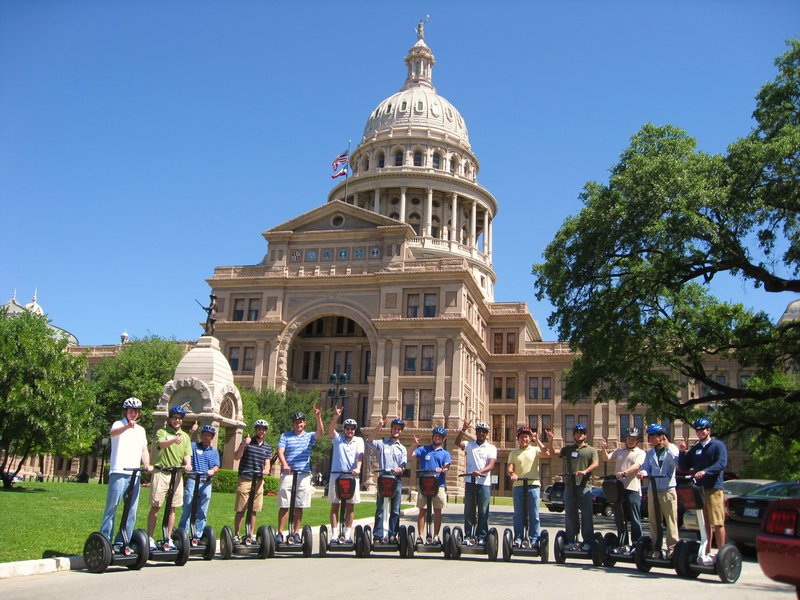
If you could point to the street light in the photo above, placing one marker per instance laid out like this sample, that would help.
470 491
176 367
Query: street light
337 391
104 445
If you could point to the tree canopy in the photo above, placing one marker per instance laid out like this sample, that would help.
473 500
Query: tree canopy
630 276
45 404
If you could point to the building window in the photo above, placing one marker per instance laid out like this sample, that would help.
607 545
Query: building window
412 306
366 163
398 158
409 400
547 422
417 158
249 363
430 305
453 166
571 420
425 405
238 309
381 160
410 359
511 343
546 388
233 358
511 428
312 362
498 343
428 354
533 388
533 422
437 160
252 309
627 421
511 388
497 388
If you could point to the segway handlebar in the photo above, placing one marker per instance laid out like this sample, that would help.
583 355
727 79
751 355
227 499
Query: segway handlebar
170 469
134 469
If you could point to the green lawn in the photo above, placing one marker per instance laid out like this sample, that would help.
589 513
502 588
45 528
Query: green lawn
40 520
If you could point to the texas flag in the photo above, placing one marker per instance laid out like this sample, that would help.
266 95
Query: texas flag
342 171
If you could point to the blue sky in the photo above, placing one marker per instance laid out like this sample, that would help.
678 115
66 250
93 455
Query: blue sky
144 143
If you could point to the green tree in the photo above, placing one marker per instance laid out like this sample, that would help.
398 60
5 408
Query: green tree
629 276
45 404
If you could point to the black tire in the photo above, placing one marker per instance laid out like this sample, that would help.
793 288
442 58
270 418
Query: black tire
264 540
181 541
411 541
643 548
141 547
455 544
611 541
544 547
598 550
402 541
729 564
308 540
686 558
225 543
358 540
508 545
97 553
447 542
367 542
676 563
491 544
273 546
608 510
558 548
323 541
210 542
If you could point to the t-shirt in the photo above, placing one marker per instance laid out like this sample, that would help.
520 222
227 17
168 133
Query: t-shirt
127 448
253 458
391 454
173 455
204 459
297 449
431 458
346 454
526 464
477 458
624 460
577 459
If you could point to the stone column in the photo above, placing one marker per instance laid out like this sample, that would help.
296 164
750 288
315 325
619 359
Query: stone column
376 206
258 371
438 396
473 217
485 242
393 404
402 204
490 239
454 217
378 385
456 383
429 213
272 366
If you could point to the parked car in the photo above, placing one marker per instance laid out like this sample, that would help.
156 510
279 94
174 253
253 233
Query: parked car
745 513
738 487
600 504
555 497
778 542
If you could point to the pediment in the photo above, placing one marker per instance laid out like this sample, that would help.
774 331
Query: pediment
335 216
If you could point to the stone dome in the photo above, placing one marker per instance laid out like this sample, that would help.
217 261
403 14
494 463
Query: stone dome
791 314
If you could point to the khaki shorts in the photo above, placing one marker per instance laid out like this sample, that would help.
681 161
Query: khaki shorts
714 508
243 494
303 491
439 501
159 484
356 499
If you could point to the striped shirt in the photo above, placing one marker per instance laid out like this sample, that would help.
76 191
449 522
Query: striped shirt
253 459
297 449
204 459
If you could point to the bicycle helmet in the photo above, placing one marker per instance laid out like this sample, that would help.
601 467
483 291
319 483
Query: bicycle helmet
655 429
208 429
524 430
482 427
579 427
298 416
439 431
177 410
702 423
633 432
399 421
132 403
261 423
350 423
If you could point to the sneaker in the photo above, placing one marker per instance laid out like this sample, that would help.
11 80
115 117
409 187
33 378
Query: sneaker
296 538
437 541
153 544
348 541
376 539
279 538
237 539
171 545
517 543
534 543
706 560
481 541
420 540
393 539
586 547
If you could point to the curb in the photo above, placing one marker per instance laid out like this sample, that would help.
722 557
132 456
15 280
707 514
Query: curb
41 566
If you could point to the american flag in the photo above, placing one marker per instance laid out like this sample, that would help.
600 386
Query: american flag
342 159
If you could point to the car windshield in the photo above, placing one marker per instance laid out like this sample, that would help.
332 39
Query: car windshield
740 487
779 489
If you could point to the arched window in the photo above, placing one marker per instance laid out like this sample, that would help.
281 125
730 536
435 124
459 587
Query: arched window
381 160
453 166
414 221
437 160
417 158
435 226
395 216
398 158
366 163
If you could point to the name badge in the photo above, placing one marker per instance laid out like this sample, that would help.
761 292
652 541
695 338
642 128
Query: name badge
199 450
574 455
698 452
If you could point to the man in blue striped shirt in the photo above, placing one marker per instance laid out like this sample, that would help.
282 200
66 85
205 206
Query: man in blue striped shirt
294 452
255 456
392 459
205 460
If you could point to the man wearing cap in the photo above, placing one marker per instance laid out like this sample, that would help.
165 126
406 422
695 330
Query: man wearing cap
481 459
347 456
523 463
627 463
205 460
392 459
254 455
707 458
581 459
433 458
174 450
661 462
294 452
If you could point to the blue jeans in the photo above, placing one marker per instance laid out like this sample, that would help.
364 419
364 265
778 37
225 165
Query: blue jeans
587 522
534 497
483 510
394 516
117 486
202 506
632 507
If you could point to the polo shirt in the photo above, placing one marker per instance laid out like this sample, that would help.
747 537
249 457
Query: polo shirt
624 459
577 459
127 448
431 458
297 449
253 458
526 464
173 455
346 454
204 459
391 454
478 456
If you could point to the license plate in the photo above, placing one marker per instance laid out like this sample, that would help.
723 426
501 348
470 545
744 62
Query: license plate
750 512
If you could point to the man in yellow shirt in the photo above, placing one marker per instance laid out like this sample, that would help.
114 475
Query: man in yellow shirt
523 463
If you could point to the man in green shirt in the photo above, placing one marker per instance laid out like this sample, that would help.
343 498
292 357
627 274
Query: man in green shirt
174 449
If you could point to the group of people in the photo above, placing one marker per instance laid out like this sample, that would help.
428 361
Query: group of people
706 459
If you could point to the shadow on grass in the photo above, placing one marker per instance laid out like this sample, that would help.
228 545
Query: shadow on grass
54 553
22 489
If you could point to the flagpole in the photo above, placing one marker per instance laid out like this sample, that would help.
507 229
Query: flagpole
348 169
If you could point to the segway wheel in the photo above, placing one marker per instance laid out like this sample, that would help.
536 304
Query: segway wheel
274 543
598 550
402 541
181 541
358 538
643 548
142 549
210 542
544 547
97 552
558 548
491 544
225 543
611 542
687 557
676 553
411 541
508 545
264 540
457 540
447 542
367 542
729 563
308 540
323 541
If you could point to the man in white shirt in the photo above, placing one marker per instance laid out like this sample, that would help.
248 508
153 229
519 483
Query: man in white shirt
347 456
627 463
481 459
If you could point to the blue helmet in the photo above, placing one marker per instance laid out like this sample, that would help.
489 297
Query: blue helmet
399 421
439 431
579 427
655 429
208 429
702 423
177 410
298 416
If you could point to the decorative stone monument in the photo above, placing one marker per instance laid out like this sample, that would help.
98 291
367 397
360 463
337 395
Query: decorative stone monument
203 385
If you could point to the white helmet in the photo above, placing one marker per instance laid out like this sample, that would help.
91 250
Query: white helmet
132 403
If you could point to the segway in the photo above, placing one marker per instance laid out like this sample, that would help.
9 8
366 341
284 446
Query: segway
345 487
649 551
132 552
542 549
261 545
387 484
467 541
176 549
727 564
288 546
563 548
618 546
429 488
201 543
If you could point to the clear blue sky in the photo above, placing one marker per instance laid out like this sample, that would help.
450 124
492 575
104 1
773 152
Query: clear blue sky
144 143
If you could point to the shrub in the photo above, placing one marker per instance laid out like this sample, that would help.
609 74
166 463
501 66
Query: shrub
225 482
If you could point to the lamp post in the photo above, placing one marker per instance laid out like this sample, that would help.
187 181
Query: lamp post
337 391
103 445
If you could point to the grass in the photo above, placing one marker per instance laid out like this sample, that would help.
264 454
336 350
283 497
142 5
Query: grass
41 520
